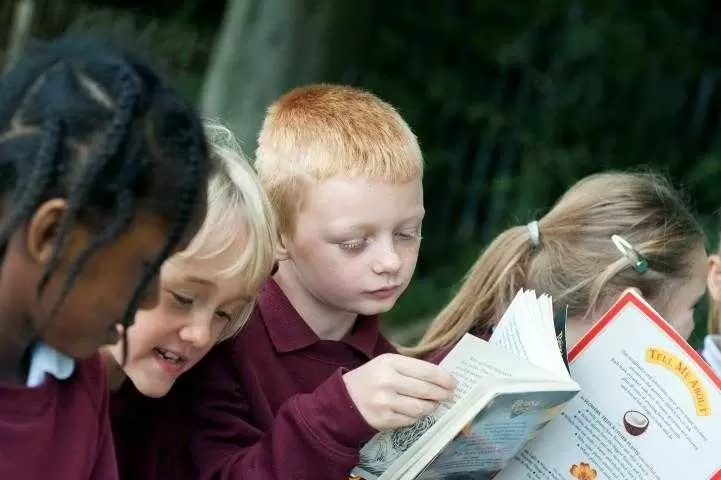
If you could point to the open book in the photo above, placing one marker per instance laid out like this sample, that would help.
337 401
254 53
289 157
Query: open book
507 390
650 408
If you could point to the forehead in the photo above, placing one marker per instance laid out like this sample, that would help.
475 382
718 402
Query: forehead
223 273
345 202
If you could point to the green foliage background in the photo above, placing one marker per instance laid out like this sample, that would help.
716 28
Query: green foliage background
512 101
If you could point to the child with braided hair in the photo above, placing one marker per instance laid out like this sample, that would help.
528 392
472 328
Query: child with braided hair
103 175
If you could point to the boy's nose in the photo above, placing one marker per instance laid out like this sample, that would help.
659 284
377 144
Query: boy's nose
388 262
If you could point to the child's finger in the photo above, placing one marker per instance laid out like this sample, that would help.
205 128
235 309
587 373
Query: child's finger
395 420
413 387
429 372
413 407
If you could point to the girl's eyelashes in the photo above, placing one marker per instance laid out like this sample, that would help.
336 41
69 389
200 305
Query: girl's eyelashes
181 299
186 301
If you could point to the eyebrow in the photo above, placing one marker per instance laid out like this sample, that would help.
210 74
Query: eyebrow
208 283
198 280
363 227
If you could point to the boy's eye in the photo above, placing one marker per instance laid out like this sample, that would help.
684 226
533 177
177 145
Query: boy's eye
353 244
181 299
408 236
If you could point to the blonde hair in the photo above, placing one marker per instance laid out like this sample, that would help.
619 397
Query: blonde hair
317 132
236 200
576 261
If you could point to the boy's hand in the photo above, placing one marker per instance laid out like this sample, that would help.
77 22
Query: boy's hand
392 390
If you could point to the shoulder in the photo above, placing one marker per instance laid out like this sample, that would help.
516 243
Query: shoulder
383 345
90 375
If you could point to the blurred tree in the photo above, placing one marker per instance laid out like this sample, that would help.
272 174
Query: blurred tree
193 12
19 30
265 47
178 49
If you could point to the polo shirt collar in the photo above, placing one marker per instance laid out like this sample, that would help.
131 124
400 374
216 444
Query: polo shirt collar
289 332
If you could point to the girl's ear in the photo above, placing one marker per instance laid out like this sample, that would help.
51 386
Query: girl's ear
713 279
42 228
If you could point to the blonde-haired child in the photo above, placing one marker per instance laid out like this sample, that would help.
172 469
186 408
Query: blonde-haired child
207 294
571 253
291 397
712 343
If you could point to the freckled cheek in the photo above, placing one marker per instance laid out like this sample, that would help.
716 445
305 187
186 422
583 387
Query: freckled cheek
339 279
335 276
409 257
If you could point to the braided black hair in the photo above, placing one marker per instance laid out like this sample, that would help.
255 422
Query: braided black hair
97 126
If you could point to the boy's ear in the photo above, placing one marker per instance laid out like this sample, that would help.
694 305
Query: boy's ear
281 250
713 279
42 228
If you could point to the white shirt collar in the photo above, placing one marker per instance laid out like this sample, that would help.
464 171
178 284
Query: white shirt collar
46 360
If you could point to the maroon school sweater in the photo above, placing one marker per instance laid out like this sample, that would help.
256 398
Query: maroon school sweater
270 404
58 430
150 435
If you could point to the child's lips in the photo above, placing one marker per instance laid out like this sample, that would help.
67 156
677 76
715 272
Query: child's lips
385 292
170 361
171 355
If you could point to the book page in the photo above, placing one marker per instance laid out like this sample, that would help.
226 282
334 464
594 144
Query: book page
486 443
527 330
649 408
512 334
474 359
472 362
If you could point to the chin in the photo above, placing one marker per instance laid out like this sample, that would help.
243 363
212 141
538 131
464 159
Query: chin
376 308
153 389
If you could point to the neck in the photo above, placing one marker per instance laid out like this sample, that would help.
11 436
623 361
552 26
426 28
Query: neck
327 322
15 342
116 375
